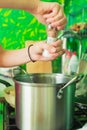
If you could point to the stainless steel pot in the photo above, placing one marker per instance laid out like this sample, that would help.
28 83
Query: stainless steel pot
37 104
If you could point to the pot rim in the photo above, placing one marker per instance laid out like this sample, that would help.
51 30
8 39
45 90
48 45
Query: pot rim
17 78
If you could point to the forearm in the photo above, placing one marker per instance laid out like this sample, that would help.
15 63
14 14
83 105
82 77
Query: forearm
29 5
10 58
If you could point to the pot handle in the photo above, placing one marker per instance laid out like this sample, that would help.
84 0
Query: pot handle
75 79
7 84
18 71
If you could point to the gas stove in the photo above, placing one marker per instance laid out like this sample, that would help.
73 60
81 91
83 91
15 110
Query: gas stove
9 118
80 117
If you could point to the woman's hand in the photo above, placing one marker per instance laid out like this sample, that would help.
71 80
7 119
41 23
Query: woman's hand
21 56
55 50
46 12
51 12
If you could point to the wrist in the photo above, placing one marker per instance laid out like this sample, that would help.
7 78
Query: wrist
29 53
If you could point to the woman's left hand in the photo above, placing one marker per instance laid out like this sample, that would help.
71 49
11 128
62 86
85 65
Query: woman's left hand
55 50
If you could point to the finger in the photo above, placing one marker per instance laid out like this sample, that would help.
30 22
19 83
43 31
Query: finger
59 21
61 27
50 15
56 55
60 53
54 19
53 11
48 47
53 56
57 43
59 48
59 24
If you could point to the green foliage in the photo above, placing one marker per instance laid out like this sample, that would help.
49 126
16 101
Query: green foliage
18 26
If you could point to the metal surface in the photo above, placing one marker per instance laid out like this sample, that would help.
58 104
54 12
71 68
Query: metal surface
11 72
80 117
76 78
37 105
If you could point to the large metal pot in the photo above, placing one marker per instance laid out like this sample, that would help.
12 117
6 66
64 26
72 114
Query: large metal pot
37 104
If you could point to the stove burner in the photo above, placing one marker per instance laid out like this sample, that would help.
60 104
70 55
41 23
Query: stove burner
80 116
10 123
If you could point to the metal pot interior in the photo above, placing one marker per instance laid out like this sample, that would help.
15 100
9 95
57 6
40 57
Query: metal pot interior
58 79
